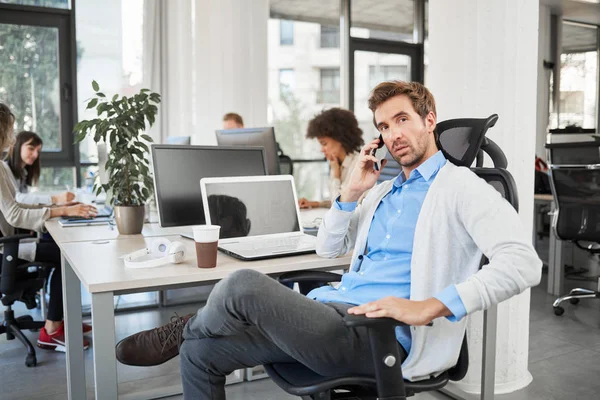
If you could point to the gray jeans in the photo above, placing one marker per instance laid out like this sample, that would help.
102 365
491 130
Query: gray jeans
251 319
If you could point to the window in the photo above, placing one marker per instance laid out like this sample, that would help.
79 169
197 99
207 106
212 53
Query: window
114 61
41 3
380 73
293 94
578 83
368 22
286 33
578 102
287 81
36 75
330 86
330 37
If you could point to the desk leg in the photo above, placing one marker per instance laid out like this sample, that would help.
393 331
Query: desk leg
71 288
555 266
105 363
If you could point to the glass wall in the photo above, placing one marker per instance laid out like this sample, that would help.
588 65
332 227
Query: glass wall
109 38
578 104
304 79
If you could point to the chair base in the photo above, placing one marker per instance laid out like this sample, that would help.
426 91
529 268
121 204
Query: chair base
573 297
12 327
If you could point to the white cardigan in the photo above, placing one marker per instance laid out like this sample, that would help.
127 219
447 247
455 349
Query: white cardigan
461 218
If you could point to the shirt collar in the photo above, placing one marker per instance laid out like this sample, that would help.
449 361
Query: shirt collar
427 169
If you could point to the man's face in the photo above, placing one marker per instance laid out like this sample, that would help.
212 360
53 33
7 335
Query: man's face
231 124
409 139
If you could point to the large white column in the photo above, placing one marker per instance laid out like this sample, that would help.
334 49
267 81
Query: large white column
483 60
230 56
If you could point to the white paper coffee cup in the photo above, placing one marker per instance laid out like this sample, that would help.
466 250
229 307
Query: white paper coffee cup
206 233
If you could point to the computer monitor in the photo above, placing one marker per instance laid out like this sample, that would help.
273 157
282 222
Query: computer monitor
179 140
264 137
178 170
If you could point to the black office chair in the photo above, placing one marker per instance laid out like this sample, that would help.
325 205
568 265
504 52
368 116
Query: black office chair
286 166
576 193
386 381
20 282
461 140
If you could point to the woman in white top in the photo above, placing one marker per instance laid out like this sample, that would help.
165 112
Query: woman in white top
23 161
340 138
32 217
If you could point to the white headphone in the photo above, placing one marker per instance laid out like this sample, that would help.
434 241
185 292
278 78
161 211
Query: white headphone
163 251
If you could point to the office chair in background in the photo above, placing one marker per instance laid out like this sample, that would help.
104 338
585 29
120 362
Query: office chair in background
286 166
20 282
576 193
469 143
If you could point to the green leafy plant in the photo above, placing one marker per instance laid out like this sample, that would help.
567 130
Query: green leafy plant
121 123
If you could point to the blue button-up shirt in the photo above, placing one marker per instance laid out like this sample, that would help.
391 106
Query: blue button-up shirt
385 269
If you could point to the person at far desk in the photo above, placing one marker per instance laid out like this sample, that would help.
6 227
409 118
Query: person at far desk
23 166
232 121
340 138
32 217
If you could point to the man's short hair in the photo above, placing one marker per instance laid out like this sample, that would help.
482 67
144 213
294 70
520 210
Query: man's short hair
237 118
422 100
337 124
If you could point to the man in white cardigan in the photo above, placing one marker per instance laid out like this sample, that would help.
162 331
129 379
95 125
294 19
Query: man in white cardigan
417 242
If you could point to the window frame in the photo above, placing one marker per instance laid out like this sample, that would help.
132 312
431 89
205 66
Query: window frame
64 21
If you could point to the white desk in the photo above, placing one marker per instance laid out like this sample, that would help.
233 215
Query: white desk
98 266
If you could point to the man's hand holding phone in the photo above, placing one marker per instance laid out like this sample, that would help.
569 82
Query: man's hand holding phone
364 176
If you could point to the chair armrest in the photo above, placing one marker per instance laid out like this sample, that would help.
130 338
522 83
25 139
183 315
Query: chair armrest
15 238
385 350
309 276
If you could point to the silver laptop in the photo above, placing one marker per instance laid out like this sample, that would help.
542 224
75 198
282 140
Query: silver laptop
258 215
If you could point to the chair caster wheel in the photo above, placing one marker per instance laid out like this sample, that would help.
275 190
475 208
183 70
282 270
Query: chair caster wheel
574 301
559 311
30 361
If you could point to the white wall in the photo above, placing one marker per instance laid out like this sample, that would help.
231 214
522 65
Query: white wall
230 63
482 60
211 59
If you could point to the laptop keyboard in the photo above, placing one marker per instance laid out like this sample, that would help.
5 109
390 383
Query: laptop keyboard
282 244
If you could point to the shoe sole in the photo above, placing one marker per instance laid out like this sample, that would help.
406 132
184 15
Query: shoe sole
56 347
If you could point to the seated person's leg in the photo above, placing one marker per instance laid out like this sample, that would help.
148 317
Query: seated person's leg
52 335
206 362
308 331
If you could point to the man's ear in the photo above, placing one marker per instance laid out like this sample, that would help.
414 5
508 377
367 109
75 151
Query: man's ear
431 121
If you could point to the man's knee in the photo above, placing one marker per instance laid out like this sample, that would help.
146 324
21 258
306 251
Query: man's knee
243 283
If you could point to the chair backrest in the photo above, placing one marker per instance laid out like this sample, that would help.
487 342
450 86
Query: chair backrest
14 283
286 166
459 139
576 192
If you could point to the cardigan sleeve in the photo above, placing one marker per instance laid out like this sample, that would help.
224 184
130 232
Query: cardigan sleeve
496 229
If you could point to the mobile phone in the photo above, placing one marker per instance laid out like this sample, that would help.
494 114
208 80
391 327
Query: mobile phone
379 153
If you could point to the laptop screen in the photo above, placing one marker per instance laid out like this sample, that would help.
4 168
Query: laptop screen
252 208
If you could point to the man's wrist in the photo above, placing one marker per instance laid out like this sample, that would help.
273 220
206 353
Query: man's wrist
349 196
436 309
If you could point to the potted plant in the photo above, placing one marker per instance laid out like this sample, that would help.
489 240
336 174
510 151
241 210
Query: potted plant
121 124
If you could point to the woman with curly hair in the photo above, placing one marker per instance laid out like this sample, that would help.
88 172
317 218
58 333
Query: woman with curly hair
340 138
